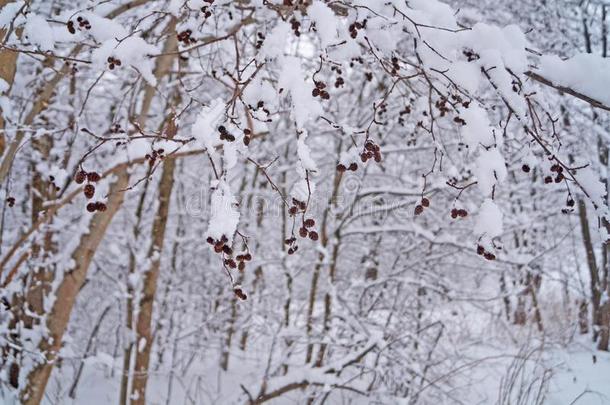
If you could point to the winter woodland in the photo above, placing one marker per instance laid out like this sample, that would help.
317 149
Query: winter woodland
304 202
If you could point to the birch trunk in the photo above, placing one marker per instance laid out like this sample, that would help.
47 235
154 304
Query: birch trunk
144 321
58 317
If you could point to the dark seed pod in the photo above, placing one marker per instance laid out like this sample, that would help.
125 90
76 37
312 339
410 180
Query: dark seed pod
525 168
425 202
454 213
100 206
353 167
210 240
489 256
218 247
419 209
239 293
248 257
559 178
462 213
91 207
241 266
303 232
89 191
80 177
93 177
480 250
313 235
227 250
309 222
341 168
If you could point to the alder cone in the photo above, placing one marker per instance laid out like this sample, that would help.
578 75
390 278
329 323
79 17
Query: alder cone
80 177
489 256
89 191
93 177
239 293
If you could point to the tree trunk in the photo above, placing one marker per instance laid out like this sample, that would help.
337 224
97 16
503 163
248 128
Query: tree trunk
592 264
313 290
127 352
57 319
604 327
8 66
144 334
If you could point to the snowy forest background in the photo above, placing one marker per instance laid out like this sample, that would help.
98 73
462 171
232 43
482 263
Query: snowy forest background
304 202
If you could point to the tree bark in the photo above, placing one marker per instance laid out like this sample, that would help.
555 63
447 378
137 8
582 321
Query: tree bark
144 321
592 265
127 352
57 319
8 66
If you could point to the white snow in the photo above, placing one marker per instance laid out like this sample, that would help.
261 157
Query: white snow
586 73
224 217
326 22
489 220
132 51
39 32
490 169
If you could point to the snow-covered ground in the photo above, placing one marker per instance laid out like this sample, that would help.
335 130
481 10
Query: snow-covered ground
576 376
